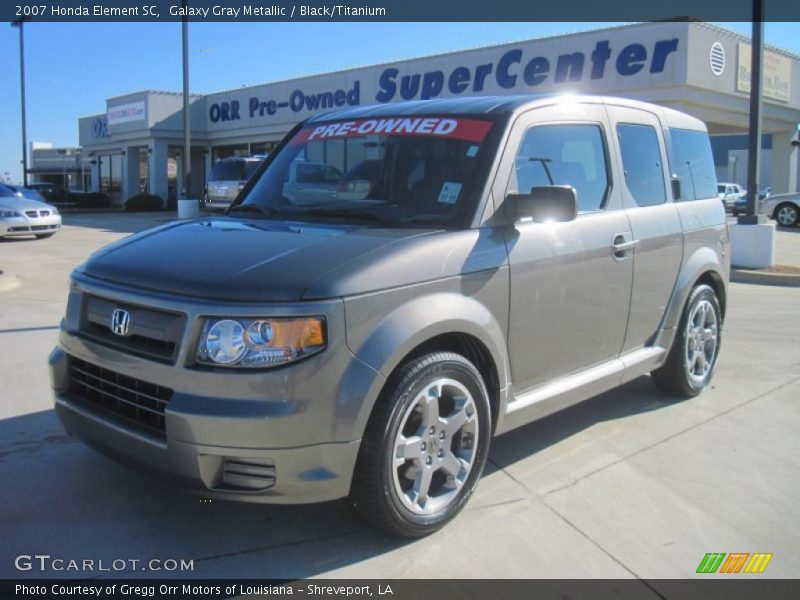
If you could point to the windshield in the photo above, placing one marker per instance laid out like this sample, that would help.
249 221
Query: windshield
398 170
250 167
234 170
6 191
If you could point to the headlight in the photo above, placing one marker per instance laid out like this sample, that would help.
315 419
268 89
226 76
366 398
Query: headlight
259 343
53 210
8 214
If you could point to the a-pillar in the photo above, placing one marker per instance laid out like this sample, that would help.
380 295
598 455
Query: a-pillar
784 163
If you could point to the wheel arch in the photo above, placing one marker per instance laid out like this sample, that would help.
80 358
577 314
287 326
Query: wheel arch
704 266
433 323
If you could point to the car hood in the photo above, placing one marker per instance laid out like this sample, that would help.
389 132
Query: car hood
21 204
238 259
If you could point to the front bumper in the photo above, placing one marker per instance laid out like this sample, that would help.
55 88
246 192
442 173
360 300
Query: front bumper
19 226
284 435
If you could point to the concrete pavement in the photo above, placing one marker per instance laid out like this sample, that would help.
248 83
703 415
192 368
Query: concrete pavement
627 484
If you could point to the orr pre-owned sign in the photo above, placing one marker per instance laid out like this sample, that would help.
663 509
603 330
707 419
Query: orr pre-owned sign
777 71
520 69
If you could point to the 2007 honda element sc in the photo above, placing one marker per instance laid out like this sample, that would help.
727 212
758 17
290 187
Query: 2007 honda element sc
479 263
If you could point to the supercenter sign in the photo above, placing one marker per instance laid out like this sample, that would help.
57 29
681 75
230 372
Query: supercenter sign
521 69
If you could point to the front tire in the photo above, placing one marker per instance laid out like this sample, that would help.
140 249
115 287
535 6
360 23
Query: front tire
692 359
786 214
425 447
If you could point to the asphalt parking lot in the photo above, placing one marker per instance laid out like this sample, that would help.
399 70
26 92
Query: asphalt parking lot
625 485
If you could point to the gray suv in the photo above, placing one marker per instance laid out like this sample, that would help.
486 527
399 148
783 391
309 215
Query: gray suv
502 258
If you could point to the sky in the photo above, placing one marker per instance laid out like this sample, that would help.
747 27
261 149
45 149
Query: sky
71 68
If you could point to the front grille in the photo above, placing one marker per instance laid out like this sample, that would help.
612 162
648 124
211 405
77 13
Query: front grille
25 228
142 343
40 227
32 213
153 334
131 400
247 474
44 213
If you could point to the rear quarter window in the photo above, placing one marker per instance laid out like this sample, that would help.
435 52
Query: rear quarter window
691 160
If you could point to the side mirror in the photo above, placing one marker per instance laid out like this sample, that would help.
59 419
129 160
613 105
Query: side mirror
544 203
676 187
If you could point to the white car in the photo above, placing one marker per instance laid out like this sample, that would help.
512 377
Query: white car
729 193
229 176
784 208
21 216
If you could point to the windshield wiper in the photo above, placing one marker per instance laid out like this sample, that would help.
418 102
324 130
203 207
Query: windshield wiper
358 213
264 210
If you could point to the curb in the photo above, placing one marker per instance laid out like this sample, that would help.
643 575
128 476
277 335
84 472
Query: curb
8 282
763 278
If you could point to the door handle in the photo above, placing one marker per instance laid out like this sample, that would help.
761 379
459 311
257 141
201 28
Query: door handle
621 245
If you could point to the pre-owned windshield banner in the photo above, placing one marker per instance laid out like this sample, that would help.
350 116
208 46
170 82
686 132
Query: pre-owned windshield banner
470 130
395 10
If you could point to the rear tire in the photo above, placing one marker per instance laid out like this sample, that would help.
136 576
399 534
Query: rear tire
786 214
425 447
693 357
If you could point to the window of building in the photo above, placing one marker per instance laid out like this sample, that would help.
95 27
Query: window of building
641 162
572 155
220 152
259 148
692 161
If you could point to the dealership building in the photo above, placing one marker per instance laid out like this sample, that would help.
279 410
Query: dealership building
135 144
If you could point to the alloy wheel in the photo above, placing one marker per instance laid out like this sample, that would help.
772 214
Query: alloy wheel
435 447
787 215
701 341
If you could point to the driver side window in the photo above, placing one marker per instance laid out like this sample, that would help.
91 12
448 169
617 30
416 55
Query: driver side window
566 154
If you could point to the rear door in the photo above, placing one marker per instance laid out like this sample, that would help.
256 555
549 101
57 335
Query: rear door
570 287
656 225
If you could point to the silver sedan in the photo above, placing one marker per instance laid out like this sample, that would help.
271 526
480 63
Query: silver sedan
21 216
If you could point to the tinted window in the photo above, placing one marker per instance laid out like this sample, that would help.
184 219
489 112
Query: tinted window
565 155
250 167
692 161
641 162
227 170
314 173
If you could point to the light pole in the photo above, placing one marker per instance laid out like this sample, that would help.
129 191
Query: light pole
187 146
754 140
18 25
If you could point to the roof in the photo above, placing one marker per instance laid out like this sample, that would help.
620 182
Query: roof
469 105
500 105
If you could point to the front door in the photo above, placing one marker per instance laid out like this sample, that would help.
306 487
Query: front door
570 282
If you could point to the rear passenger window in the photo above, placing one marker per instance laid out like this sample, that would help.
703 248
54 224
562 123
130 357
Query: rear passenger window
641 162
565 155
691 160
